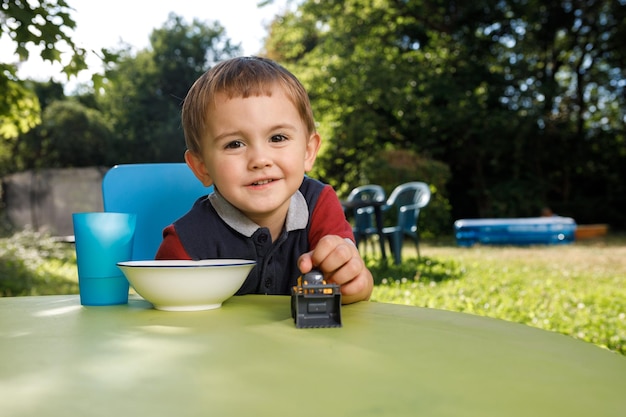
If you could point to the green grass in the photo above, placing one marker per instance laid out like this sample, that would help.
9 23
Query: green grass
578 289
35 264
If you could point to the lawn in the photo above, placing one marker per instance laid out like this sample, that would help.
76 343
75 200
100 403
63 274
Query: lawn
577 289
35 264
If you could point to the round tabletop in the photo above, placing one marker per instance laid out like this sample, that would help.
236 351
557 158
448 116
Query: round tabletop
248 358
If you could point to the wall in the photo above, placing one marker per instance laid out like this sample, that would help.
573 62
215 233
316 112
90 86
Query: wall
45 199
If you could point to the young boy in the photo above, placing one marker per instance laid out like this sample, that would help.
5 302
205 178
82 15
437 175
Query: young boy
250 133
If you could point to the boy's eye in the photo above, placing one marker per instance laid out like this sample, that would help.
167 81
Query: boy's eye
279 138
234 144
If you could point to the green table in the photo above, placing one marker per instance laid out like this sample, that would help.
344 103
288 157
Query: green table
58 358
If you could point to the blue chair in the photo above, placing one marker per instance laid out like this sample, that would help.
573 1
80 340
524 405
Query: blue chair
406 200
364 224
157 193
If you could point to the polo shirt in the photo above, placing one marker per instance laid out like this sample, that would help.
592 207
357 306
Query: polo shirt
214 228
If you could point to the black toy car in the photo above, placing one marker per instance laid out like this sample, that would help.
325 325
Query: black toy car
315 303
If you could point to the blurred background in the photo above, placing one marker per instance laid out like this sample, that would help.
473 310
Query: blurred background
503 107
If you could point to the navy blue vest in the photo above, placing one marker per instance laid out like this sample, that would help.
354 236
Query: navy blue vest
204 235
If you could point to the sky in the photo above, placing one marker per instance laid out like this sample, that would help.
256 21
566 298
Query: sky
106 23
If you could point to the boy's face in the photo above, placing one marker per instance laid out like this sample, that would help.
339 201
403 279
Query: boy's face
256 151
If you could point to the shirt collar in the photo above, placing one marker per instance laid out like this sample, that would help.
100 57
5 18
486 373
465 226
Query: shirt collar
297 214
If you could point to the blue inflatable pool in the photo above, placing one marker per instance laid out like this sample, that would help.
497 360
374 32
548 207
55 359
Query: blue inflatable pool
515 231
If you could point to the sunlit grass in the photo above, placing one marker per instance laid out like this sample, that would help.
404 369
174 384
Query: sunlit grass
35 264
578 289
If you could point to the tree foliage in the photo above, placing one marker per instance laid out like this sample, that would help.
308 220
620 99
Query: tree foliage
71 133
40 24
524 100
142 93
133 115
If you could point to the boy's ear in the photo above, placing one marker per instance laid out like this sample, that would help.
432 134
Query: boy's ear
312 147
198 167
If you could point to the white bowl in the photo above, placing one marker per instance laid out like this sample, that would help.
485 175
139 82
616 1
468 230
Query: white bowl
177 285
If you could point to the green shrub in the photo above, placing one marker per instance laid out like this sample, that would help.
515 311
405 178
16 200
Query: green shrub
35 264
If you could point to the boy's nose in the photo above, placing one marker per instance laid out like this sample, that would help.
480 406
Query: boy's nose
260 158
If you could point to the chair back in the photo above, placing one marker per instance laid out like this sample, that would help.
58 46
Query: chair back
408 199
158 193
363 216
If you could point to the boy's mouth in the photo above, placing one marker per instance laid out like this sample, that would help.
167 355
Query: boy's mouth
262 182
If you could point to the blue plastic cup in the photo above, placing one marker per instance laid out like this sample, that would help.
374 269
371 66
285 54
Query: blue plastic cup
102 240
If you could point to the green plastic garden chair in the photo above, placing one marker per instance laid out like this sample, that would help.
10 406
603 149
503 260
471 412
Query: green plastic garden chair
364 224
405 201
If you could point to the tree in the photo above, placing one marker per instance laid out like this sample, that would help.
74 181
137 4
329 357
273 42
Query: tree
70 135
133 115
142 93
522 99
32 149
41 24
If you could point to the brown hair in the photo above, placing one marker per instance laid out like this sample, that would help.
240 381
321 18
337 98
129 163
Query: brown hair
239 77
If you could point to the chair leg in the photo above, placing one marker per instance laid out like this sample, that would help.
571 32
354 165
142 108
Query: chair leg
417 247
364 243
361 241
372 246
395 244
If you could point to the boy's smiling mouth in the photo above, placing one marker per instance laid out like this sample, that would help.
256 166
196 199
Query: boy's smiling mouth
262 182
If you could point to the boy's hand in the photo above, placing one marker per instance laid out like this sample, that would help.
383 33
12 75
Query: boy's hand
340 262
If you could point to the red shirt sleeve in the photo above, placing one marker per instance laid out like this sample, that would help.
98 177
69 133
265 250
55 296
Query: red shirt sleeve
171 247
328 218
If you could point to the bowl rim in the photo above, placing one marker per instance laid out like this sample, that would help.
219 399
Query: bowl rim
186 263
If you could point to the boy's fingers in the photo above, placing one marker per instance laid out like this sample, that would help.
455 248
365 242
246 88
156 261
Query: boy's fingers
305 262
